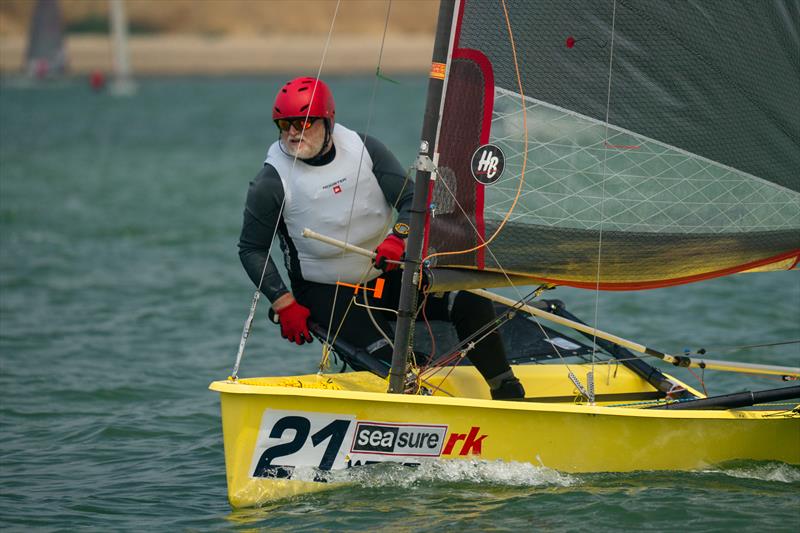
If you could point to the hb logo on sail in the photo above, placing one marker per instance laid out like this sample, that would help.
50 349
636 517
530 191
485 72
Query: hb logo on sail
488 162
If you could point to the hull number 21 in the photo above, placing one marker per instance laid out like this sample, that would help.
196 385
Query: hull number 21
291 439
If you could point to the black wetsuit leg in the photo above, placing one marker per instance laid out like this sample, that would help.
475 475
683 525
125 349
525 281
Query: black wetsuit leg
469 314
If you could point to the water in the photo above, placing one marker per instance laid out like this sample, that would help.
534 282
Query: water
122 297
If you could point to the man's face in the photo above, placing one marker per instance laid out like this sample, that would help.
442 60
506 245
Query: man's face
304 144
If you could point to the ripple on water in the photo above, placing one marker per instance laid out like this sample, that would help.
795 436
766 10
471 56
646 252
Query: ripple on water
122 296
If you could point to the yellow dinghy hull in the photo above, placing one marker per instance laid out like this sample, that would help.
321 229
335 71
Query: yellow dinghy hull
279 431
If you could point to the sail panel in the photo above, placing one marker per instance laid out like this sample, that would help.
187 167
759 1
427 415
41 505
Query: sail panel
664 150
631 260
714 78
588 173
45 56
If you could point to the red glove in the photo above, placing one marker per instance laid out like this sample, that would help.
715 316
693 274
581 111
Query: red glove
391 248
294 323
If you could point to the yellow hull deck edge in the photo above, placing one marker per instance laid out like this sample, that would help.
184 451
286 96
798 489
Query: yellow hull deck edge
299 427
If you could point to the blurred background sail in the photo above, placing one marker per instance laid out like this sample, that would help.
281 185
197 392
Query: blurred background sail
123 83
229 37
45 56
657 141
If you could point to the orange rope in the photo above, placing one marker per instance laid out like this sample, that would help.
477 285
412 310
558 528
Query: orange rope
524 153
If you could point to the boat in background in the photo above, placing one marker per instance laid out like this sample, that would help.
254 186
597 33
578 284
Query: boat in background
122 83
45 57
603 146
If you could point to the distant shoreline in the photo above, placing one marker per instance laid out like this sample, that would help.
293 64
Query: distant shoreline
192 54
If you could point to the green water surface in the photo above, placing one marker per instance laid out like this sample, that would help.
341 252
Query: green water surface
122 297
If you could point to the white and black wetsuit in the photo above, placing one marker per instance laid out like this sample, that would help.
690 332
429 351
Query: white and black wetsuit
319 195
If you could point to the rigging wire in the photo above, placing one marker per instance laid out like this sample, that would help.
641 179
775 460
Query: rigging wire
362 278
485 243
521 299
370 112
703 350
369 309
603 188
700 378
431 355
464 346
257 295
328 340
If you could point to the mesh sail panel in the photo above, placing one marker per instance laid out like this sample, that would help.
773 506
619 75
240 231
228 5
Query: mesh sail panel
660 139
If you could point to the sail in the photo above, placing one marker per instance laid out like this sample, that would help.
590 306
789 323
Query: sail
45 56
123 84
631 144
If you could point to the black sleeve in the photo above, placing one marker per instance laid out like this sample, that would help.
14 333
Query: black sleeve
261 217
398 190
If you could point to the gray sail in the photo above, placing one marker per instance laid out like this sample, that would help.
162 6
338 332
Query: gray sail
643 143
45 56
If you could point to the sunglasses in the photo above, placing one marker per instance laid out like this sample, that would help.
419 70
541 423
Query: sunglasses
300 124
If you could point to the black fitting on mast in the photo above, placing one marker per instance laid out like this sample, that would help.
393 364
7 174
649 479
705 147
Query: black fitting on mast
404 334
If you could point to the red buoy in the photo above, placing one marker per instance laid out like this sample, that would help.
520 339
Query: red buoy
97 80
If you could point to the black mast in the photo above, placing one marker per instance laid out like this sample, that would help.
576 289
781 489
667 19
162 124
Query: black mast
404 333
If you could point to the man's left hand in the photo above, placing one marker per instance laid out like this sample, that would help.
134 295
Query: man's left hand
391 249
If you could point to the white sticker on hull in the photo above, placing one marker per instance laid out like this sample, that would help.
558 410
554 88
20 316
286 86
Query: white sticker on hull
408 440
290 439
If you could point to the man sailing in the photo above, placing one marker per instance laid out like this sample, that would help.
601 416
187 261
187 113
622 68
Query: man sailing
309 179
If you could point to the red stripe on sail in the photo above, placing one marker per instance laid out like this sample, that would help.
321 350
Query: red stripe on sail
456 38
479 58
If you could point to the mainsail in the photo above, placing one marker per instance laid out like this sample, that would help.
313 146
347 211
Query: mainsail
642 143
45 55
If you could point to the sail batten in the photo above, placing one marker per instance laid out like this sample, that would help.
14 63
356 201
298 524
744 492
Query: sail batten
689 169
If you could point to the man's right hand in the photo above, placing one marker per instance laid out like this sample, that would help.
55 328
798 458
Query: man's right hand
293 319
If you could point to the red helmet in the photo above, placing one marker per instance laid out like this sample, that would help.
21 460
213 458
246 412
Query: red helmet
294 100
